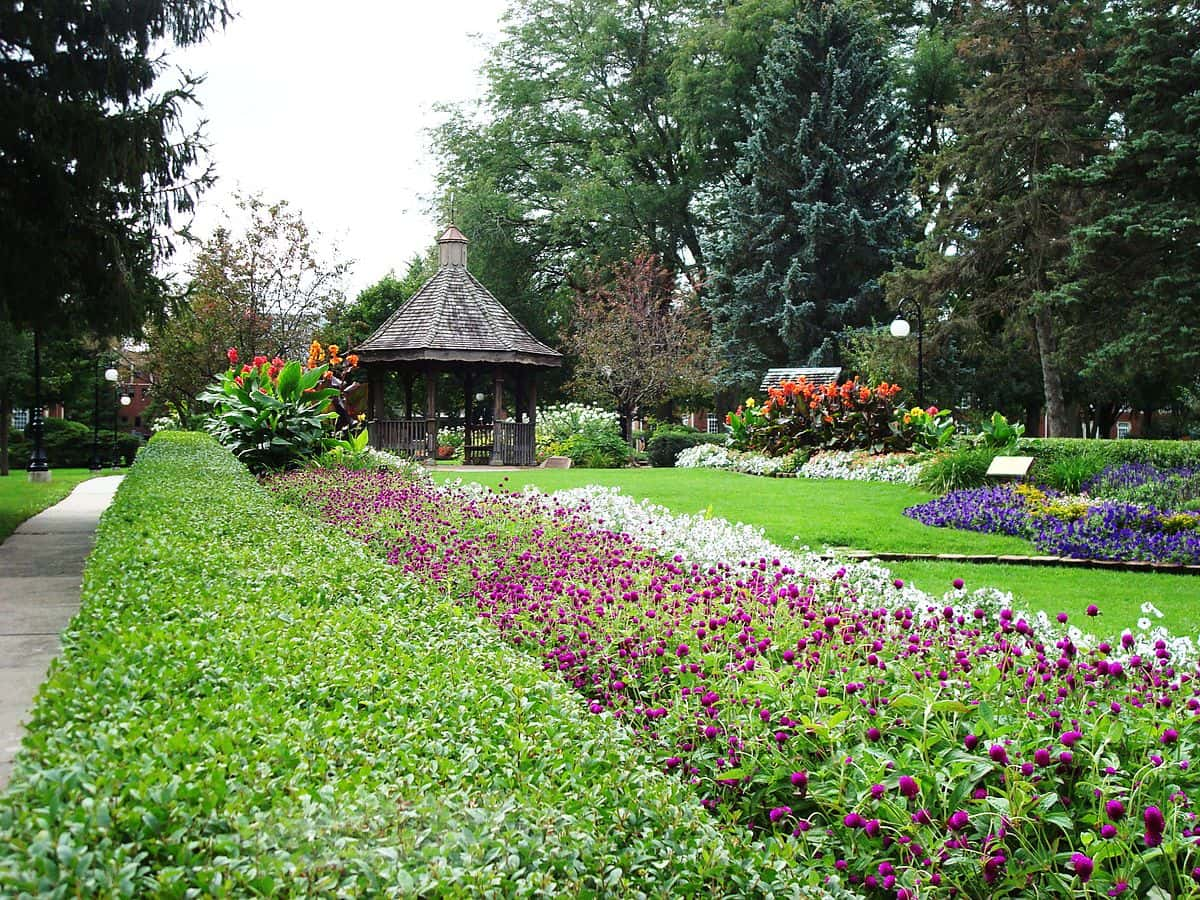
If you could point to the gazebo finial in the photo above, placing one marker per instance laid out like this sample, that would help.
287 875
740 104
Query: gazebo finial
452 248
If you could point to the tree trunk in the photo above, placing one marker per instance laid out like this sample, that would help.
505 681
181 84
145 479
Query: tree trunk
1146 416
1056 404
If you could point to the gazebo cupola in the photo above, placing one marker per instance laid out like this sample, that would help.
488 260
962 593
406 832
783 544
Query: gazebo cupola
453 328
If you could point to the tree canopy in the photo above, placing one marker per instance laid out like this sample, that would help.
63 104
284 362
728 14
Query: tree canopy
94 162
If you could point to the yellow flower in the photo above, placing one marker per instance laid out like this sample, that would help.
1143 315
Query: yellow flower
749 401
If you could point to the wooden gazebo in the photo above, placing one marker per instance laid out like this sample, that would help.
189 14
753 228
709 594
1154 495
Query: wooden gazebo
453 325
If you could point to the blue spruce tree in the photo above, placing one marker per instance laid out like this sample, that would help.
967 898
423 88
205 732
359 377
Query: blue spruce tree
818 209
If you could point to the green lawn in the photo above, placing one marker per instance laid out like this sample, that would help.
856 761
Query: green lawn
869 516
20 498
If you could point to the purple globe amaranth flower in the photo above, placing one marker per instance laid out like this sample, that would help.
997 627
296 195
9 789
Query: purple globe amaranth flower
1083 866
1169 736
1155 825
1071 738
779 812
1093 609
873 734
877 791
853 820
1108 831
922 817
998 754
800 779
958 584
1115 810
909 787
958 820
1041 756
971 741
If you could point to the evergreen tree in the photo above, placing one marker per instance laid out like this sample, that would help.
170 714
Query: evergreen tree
820 210
1135 264
997 246
92 159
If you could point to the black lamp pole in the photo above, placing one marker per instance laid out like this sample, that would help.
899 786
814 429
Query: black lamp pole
96 465
116 459
914 305
39 463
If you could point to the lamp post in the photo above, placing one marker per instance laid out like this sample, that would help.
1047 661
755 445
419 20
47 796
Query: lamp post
125 401
96 465
111 375
901 329
39 463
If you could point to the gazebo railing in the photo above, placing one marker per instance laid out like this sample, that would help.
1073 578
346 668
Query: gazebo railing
515 441
477 445
407 436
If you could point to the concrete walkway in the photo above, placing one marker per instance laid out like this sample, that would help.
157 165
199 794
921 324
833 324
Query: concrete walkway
41 569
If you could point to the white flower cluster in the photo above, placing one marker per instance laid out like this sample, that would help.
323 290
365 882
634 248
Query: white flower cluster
857 466
714 456
559 422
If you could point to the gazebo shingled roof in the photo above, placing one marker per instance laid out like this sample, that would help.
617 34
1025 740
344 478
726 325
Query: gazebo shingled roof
453 326
453 318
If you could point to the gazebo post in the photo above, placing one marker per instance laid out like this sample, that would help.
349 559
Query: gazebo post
375 405
531 400
431 414
408 391
497 408
468 399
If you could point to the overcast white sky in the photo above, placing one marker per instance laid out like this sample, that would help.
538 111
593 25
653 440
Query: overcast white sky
327 106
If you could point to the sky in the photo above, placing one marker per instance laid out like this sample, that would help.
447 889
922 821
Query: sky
328 106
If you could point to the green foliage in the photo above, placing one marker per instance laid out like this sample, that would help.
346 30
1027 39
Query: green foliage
925 429
958 469
68 445
597 450
1069 472
807 232
248 705
1135 250
1164 454
996 432
273 422
666 444
96 161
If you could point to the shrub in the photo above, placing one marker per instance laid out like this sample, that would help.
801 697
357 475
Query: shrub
796 414
997 433
597 449
275 415
251 704
1148 484
1068 472
958 469
1164 454
664 448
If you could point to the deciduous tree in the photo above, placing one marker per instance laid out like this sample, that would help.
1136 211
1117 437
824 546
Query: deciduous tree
638 338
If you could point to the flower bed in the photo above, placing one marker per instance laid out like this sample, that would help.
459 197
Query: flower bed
1080 527
914 747
894 468
250 703
844 464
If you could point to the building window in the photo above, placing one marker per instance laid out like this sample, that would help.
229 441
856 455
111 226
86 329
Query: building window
713 425
1122 430
20 419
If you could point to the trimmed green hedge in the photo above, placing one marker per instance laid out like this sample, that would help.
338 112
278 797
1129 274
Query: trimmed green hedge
249 702
1165 454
